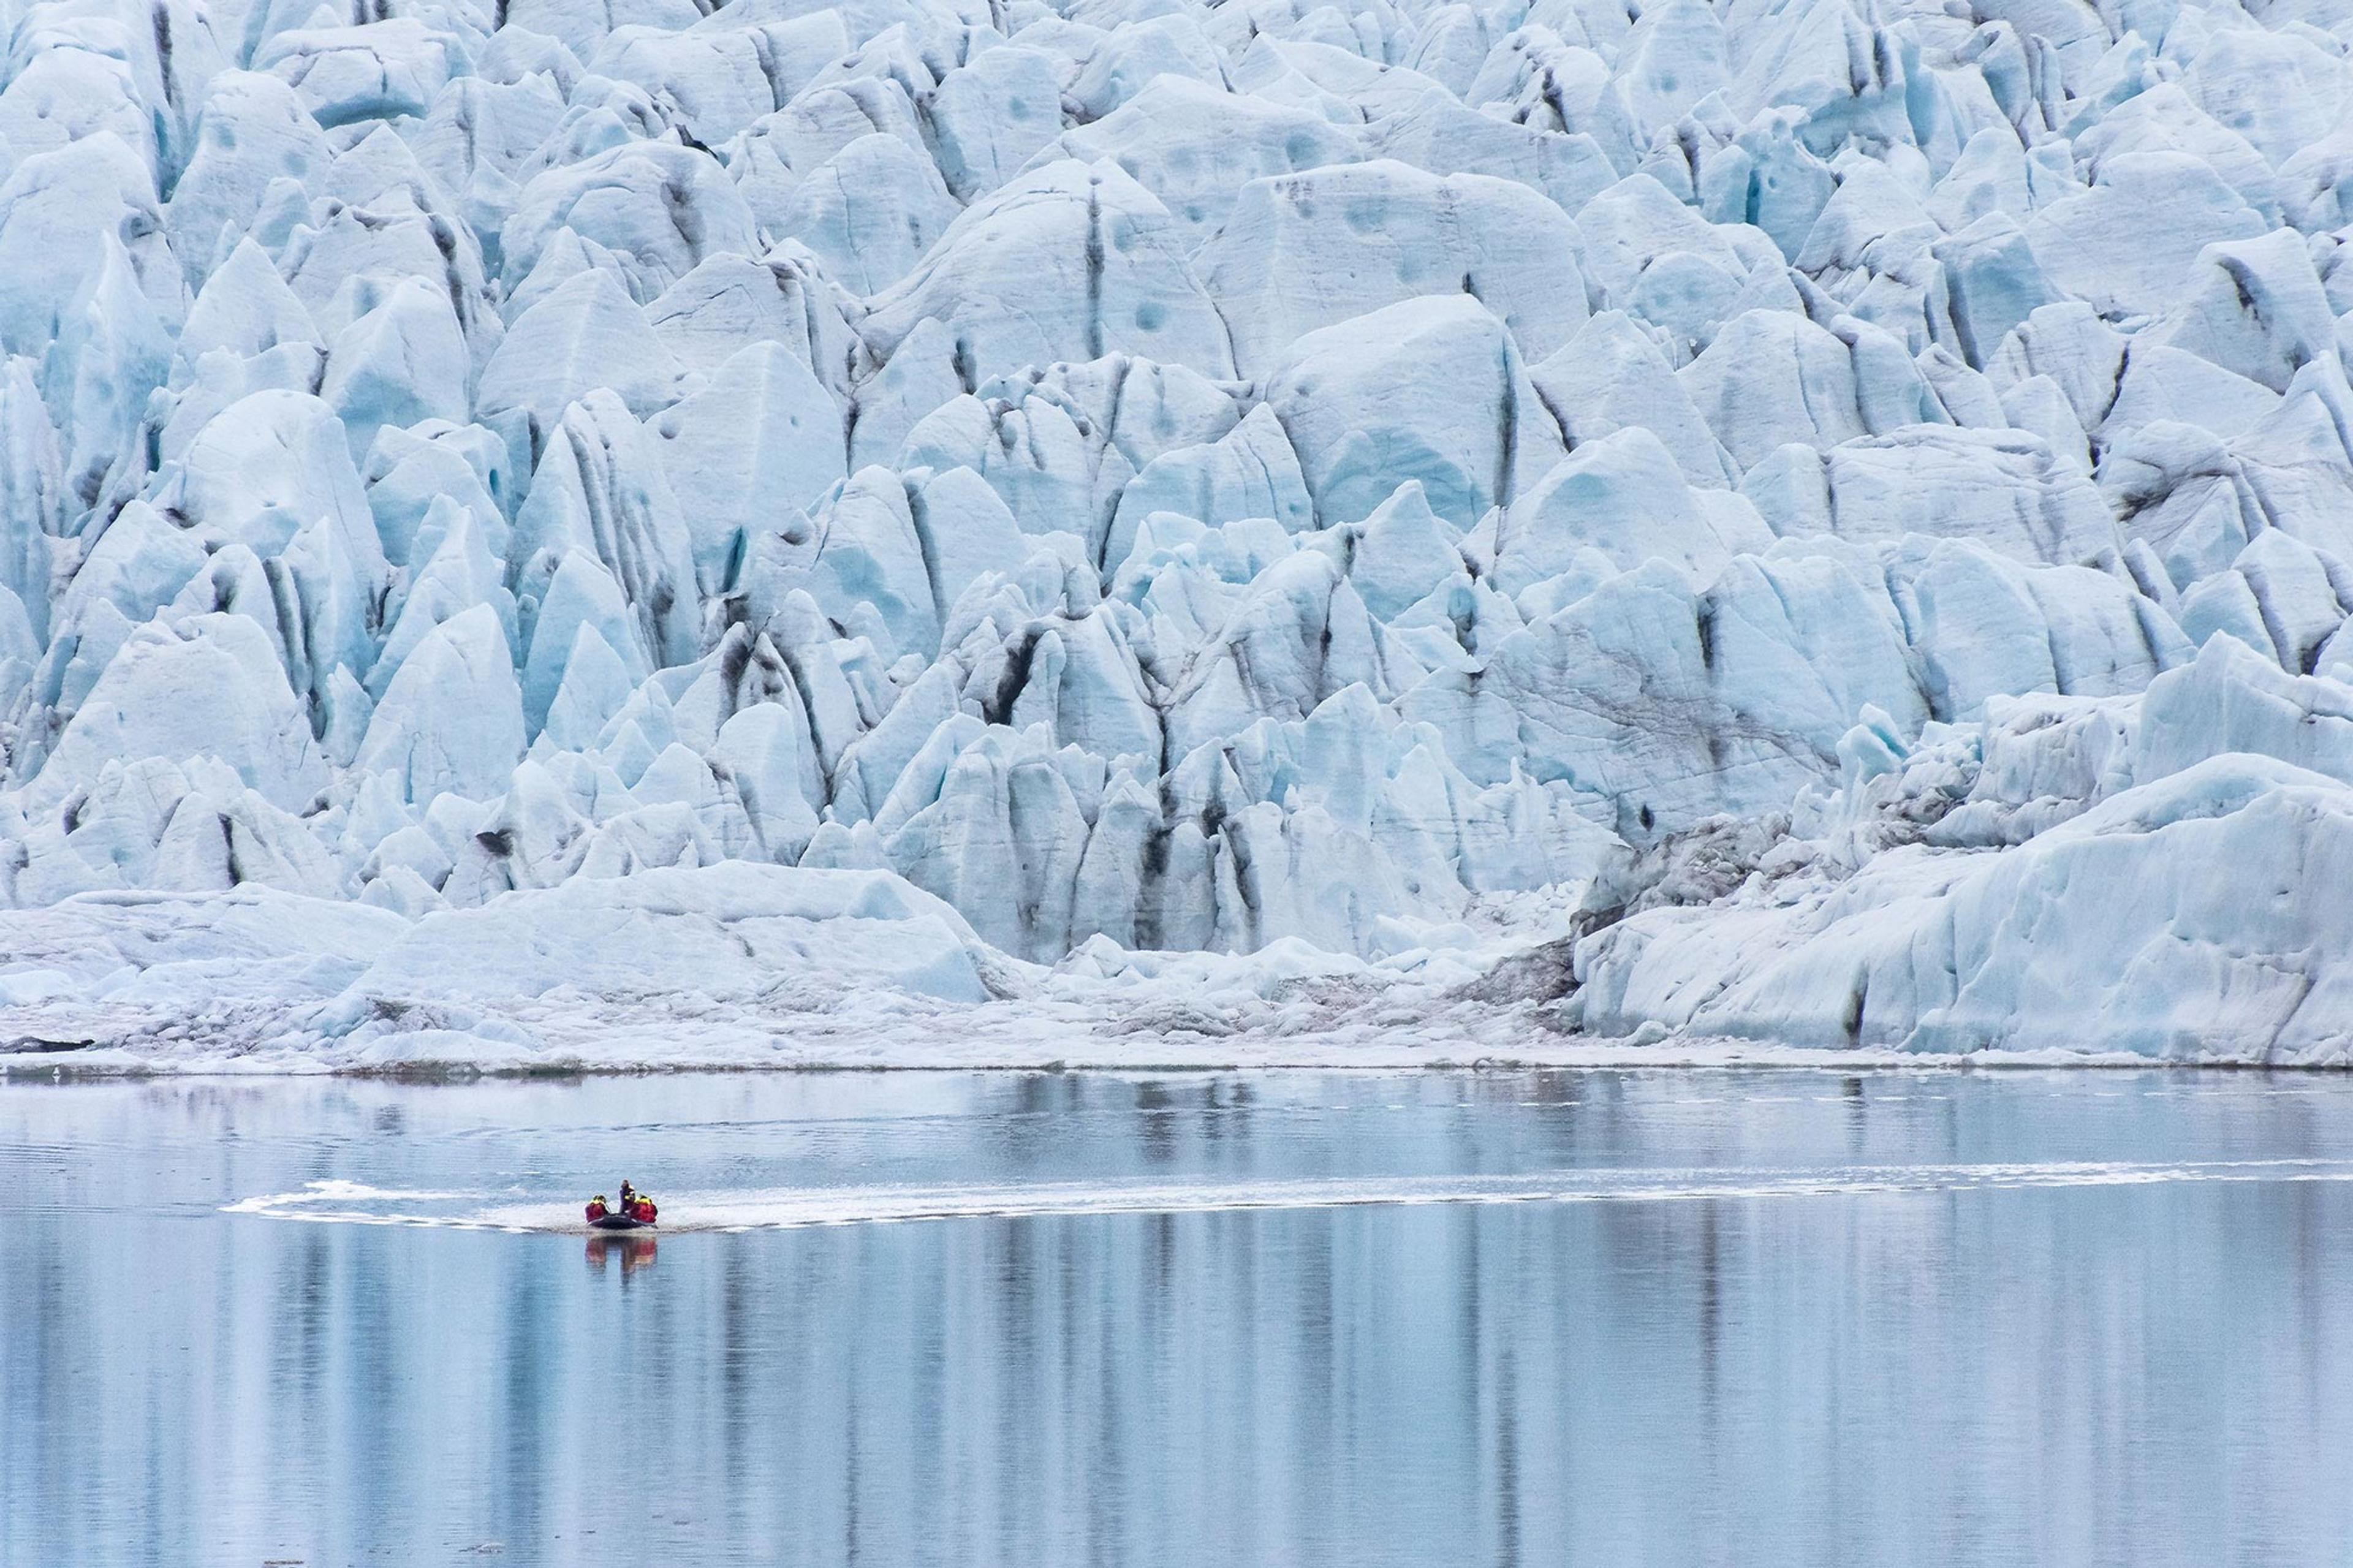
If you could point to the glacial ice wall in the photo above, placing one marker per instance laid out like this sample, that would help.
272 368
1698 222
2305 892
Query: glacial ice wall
1190 476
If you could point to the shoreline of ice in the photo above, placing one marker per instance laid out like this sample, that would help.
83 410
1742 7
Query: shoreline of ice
767 968
1591 1056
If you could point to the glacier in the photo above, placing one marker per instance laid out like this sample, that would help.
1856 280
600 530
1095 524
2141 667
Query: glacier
545 533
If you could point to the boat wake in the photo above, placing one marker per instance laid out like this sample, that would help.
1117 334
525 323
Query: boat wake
352 1203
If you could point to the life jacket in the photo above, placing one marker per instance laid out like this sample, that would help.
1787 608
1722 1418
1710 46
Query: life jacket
642 1211
598 1211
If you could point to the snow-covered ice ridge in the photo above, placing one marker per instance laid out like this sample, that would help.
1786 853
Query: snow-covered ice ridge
1826 523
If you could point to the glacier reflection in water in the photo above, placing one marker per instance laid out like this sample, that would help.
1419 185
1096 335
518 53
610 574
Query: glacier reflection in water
1270 1319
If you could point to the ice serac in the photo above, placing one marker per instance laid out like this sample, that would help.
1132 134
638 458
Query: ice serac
1427 389
762 439
1308 251
870 211
992 113
451 721
601 488
1250 472
1677 700
1749 511
403 361
1199 148
585 336
1612 505
658 207
1070 262
211 687
1614 375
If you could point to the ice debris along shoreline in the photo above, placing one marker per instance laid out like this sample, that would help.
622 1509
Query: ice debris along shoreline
1822 525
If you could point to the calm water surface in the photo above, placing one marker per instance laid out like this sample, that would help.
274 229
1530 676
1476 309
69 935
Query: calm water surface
1290 1319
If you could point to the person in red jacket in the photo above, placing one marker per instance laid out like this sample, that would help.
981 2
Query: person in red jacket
596 1209
642 1210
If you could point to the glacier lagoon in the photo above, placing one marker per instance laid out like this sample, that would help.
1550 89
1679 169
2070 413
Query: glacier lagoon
544 536
1802 1318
